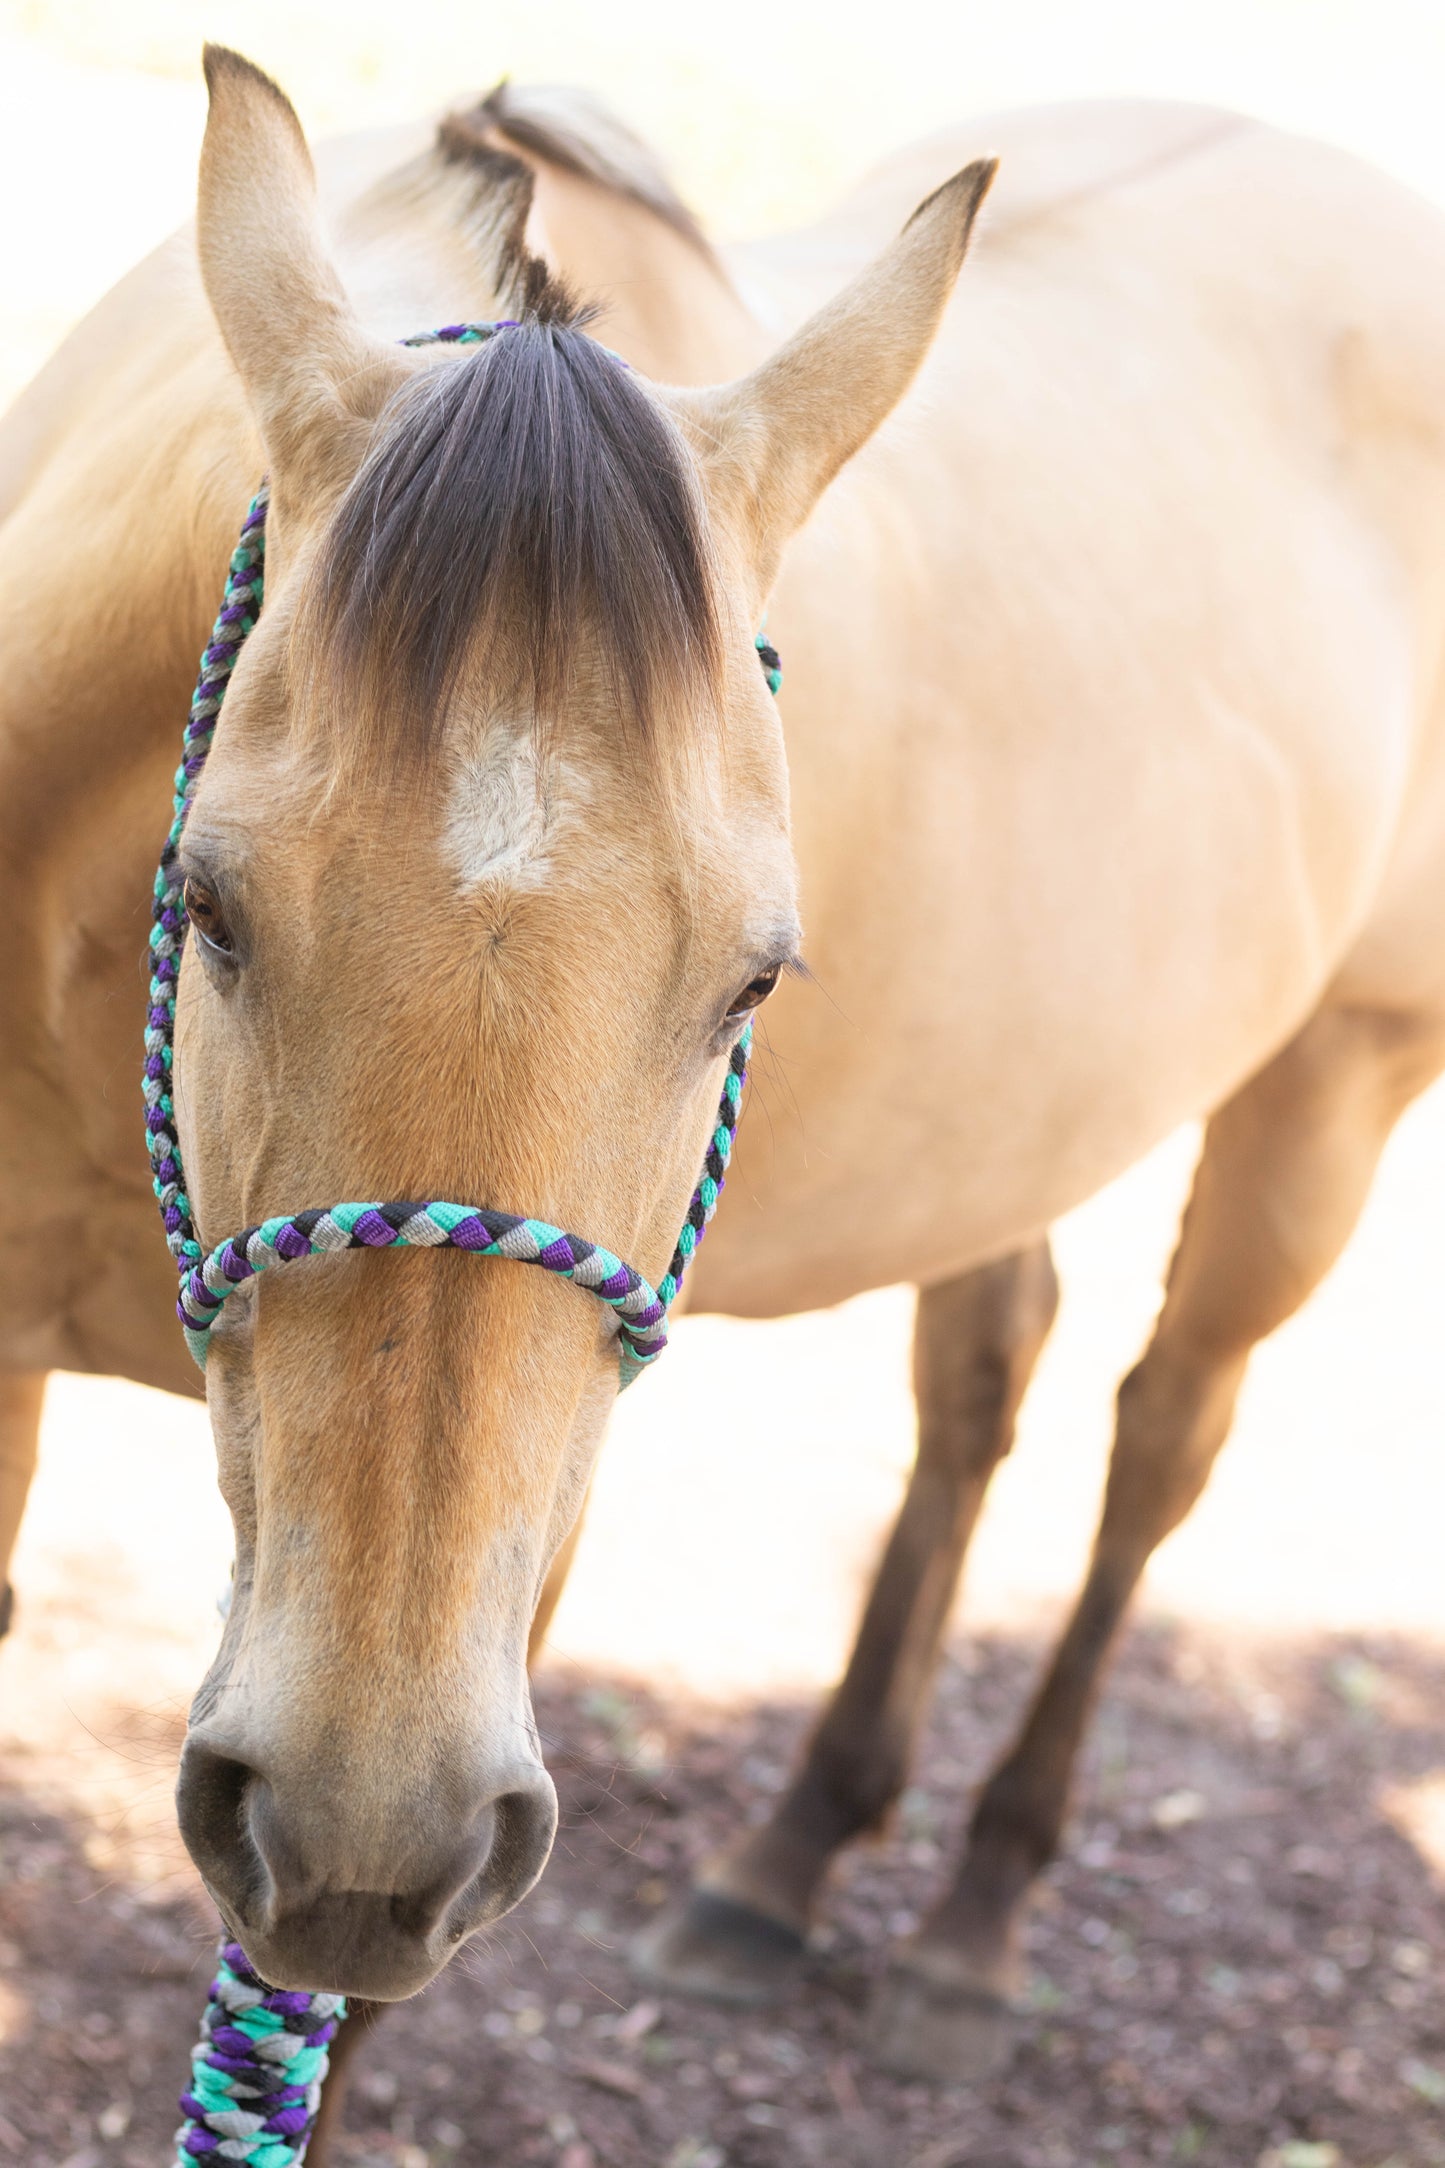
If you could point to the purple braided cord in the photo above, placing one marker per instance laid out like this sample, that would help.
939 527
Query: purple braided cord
256 2074
240 608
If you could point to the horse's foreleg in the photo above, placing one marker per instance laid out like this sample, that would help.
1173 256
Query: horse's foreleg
1286 1167
351 2040
552 1588
741 1932
21 1393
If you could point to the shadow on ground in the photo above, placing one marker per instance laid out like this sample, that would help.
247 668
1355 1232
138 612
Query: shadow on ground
1239 1959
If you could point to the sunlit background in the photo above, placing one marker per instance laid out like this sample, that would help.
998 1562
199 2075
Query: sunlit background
747 1481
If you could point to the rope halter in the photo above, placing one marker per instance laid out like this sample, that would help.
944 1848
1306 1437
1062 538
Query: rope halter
208 1278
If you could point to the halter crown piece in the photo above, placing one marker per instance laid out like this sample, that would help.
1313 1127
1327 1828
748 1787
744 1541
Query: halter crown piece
256 2073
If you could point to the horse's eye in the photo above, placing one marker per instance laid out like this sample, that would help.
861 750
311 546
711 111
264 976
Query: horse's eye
757 990
204 913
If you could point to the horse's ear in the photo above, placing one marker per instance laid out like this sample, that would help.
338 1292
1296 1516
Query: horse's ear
314 378
771 442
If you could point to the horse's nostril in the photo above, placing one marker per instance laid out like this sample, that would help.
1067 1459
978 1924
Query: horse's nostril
524 1822
211 1805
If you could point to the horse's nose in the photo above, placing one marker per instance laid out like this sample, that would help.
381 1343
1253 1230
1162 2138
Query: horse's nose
286 1878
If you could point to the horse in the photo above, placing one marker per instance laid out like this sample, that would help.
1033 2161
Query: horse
1108 781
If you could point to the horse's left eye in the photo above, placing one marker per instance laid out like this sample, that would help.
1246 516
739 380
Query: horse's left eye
757 990
204 913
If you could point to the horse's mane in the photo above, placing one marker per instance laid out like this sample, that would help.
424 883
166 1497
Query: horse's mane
527 499
566 128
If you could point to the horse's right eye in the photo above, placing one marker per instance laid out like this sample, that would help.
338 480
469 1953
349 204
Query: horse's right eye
756 992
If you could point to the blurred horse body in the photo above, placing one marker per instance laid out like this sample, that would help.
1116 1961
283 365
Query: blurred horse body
1116 748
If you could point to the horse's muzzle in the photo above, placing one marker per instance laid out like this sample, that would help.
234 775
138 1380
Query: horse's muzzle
295 1913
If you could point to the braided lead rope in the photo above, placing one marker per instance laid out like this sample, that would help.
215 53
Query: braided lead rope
256 2072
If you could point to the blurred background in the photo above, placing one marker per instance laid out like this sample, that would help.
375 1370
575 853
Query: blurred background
1235 1963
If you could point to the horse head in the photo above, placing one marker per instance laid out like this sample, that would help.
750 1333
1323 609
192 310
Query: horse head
488 867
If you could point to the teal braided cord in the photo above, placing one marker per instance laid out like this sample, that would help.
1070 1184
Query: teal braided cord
641 1310
714 1167
430 1224
240 608
257 2071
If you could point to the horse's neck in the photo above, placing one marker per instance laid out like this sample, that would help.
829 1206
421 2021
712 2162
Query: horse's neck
668 307
416 243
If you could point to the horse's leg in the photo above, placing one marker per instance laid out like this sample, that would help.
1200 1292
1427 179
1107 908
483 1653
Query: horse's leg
741 1933
21 1393
366 2016
1286 1167
362 2020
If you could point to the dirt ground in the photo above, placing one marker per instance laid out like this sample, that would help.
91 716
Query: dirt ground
1237 1962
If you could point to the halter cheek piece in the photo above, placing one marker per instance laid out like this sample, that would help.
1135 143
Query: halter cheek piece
208 1278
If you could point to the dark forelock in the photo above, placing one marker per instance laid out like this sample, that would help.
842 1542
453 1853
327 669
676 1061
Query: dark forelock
519 502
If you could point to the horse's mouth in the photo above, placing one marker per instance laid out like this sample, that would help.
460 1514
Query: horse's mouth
301 1930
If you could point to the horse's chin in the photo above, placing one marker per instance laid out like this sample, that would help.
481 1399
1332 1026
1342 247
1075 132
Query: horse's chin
346 1943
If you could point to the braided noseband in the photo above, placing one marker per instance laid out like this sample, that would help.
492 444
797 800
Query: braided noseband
257 2071
207 1279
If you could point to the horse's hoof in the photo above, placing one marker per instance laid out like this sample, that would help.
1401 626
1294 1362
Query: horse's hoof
951 2032
716 1947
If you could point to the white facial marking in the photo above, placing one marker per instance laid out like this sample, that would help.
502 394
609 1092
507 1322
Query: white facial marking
506 807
